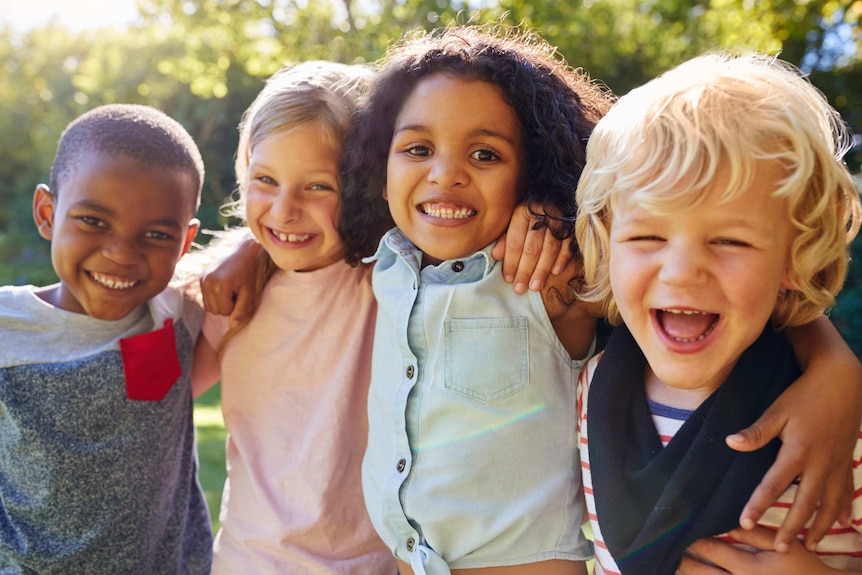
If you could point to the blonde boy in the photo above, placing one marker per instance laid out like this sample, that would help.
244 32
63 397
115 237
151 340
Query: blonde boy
713 210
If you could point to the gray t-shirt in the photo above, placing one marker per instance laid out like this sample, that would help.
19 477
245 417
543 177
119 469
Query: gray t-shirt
91 481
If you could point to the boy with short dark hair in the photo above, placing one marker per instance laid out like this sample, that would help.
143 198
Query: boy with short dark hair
98 471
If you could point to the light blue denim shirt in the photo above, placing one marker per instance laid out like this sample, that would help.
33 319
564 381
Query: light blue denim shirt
472 458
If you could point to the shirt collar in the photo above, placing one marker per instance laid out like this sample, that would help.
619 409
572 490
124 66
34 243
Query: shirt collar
471 268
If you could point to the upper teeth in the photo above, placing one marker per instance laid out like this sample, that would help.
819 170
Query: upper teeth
458 213
291 237
113 282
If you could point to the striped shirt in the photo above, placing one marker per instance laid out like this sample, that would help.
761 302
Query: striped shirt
841 548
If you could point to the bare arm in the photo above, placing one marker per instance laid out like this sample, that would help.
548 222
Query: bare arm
205 367
817 419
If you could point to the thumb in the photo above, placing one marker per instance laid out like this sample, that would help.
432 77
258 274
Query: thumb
756 435
499 250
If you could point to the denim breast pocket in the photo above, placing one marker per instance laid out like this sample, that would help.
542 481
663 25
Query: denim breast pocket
486 359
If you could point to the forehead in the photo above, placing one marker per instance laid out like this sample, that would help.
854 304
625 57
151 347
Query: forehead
442 99
122 181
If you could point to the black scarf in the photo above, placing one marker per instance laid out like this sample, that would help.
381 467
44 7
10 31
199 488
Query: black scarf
653 502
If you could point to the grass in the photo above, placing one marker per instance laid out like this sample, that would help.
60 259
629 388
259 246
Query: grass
211 441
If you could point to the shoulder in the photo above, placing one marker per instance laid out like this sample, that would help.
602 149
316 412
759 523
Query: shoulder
173 303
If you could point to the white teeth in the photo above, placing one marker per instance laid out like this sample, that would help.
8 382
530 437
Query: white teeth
447 213
683 311
113 282
291 237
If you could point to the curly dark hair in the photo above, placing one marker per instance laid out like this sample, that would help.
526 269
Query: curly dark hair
556 106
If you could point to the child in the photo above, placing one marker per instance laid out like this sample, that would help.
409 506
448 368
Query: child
295 415
97 447
471 453
713 202
458 128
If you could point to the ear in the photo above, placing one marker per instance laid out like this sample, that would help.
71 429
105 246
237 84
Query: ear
385 195
44 207
194 226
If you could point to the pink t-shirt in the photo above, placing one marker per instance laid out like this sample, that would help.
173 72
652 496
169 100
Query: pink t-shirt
294 385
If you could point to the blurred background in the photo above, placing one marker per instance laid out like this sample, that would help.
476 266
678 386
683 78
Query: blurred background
203 61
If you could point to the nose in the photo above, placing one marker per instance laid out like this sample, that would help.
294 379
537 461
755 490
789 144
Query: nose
287 205
122 251
683 264
448 171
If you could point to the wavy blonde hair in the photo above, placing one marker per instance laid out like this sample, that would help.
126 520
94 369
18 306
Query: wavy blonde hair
662 145
295 96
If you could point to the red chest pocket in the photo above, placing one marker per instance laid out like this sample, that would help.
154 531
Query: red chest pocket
150 363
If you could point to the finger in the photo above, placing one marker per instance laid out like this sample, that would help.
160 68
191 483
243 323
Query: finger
805 503
516 235
845 513
243 308
499 250
547 256
836 500
564 257
214 298
760 537
530 253
759 433
788 464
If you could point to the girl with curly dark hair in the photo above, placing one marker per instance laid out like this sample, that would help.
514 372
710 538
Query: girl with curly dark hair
471 460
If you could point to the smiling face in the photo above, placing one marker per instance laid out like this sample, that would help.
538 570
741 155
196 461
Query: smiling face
293 199
697 287
117 229
454 166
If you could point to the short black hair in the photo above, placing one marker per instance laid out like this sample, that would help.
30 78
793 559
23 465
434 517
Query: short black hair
142 133
556 107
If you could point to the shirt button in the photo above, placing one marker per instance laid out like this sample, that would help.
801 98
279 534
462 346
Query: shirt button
410 372
411 543
402 464
457 266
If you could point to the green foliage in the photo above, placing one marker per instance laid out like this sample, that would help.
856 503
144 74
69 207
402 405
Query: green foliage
211 435
203 61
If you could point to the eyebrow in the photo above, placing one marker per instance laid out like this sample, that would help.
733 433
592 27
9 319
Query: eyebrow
100 209
480 132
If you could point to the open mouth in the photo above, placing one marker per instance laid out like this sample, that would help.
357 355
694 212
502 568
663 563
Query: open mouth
447 211
113 282
686 326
